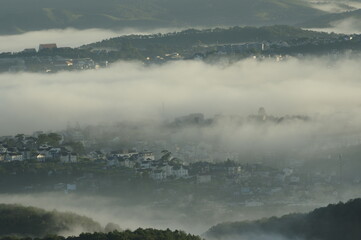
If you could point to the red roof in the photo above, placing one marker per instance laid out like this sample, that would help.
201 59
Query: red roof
47 46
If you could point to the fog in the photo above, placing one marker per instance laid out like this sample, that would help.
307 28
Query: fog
259 236
194 219
69 37
132 216
335 6
345 26
326 90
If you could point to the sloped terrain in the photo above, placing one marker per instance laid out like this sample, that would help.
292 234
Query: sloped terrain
30 221
18 16
334 222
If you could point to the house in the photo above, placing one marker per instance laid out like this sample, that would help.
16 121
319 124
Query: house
179 172
44 147
113 162
83 63
97 155
147 155
26 153
158 175
233 170
41 157
13 156
47 46
167 169
53 153
71 187
29 50
127 163
128 153
145 164
2 157
3 149
67 157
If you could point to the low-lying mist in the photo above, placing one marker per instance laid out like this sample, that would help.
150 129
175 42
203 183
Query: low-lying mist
132 216
68 37
195 219
324 89
333 6
345 26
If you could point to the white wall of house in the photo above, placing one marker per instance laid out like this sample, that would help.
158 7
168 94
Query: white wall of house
180 173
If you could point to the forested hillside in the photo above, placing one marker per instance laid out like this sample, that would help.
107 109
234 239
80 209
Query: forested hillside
30 221
180 41
18 16
334 222
139 234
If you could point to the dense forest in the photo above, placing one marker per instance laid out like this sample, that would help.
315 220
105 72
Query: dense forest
334 222
139 234
29 221
17 16
191 37
186 43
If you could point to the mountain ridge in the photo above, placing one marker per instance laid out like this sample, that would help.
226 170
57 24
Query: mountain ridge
117 14
334 222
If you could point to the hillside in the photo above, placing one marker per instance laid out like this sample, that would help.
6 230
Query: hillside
30 221
191 37
334 222
330 20
143 234
18 16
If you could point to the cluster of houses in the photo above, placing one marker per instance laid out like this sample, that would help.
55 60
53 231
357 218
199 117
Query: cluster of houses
241 47
35 61
144 162
23 148
42 154
46 64
232 179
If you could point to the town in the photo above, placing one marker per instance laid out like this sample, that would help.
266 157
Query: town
209 46
159 171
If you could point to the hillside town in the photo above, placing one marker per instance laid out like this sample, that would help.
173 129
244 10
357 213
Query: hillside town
57 162
49 58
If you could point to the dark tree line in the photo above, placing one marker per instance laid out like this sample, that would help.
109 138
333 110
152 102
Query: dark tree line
31 221
139 234
334 222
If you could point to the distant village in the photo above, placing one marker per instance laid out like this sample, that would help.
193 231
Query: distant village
49 58
72 163
44 61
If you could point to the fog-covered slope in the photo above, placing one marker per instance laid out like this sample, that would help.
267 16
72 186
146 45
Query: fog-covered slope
334 222
25 15
30 221
332 19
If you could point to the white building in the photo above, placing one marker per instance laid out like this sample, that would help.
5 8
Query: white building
158 175
14 157
41 157
147 155
68 157
180 172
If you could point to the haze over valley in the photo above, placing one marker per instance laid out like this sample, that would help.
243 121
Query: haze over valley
128 120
